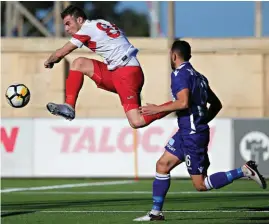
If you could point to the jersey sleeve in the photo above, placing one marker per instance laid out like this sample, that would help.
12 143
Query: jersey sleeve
76 42
180 81
80 38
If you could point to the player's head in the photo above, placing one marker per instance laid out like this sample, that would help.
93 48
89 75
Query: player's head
180 52
73 18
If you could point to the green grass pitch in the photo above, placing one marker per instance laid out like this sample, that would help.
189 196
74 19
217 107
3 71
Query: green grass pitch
240 202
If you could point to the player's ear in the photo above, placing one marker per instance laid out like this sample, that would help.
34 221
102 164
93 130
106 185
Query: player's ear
80 20
174 56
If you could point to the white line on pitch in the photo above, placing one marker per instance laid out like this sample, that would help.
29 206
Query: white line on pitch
142 192
8 190
179 211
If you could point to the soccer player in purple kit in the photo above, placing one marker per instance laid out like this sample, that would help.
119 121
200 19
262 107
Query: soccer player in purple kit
191 94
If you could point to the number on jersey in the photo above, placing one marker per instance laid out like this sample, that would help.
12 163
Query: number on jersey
111 31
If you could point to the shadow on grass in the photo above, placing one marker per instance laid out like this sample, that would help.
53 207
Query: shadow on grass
27 207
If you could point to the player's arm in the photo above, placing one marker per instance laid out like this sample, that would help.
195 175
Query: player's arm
181 103
59 54
180 87
215 105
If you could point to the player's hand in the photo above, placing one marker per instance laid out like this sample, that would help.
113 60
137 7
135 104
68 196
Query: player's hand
149 109
48 65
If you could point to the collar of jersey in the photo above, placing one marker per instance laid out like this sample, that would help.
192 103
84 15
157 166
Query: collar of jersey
182 65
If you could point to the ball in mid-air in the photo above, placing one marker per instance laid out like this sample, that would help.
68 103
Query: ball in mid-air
18 95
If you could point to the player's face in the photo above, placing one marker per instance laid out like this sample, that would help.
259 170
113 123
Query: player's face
173 58
71 24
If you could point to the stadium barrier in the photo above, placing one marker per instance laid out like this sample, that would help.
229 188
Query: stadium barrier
222 60
110 148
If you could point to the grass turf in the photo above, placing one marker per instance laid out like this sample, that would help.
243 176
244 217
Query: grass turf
240 202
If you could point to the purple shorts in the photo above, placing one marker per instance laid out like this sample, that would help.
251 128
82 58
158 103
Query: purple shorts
191 149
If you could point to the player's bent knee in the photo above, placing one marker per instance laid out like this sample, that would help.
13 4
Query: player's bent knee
136 123
77 63
80 64
200 187
162 166
133 115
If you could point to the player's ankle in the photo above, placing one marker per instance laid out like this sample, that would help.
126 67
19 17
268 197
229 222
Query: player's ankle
70 105
245 171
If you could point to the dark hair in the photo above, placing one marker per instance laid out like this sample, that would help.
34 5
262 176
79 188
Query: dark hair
73 11
182 48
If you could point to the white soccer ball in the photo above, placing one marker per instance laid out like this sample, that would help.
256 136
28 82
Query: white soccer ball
18 95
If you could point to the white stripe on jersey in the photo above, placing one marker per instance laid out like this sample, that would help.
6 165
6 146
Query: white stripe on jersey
193 129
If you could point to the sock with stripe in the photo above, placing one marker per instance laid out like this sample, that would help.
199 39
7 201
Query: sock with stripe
160 187
221 179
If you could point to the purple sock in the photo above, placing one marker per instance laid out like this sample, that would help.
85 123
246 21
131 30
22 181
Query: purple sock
160 187
221 179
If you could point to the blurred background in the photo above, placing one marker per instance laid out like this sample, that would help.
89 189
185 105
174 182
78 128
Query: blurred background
143 18
230 44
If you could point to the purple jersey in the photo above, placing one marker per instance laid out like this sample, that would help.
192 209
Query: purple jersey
193 119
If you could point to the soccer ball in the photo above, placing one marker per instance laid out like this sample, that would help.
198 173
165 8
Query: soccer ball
18 95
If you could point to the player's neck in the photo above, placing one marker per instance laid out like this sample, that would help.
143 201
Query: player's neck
179 63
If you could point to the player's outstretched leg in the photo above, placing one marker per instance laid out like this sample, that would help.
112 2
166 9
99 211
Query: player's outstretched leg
221 179
160 187
80 67
73 85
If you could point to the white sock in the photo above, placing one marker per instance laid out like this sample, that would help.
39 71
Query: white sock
155 212
208 184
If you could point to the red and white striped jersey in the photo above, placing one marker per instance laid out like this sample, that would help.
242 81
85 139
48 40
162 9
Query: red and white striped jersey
108 41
